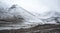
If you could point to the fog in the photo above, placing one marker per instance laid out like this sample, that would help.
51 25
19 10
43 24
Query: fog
37 6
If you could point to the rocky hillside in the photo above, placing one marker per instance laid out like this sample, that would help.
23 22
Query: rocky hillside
47 28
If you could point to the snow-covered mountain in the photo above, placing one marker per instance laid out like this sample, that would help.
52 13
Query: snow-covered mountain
50 17
24 13
16 16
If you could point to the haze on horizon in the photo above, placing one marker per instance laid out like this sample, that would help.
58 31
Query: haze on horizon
37 6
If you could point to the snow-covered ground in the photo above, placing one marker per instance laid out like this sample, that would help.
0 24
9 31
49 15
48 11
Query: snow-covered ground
28 19
12 16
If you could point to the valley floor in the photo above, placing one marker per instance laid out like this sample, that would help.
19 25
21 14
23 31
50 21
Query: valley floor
47 28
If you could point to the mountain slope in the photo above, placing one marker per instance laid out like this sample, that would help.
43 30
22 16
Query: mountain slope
17 17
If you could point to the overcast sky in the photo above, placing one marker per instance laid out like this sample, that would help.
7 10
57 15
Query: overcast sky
35 5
